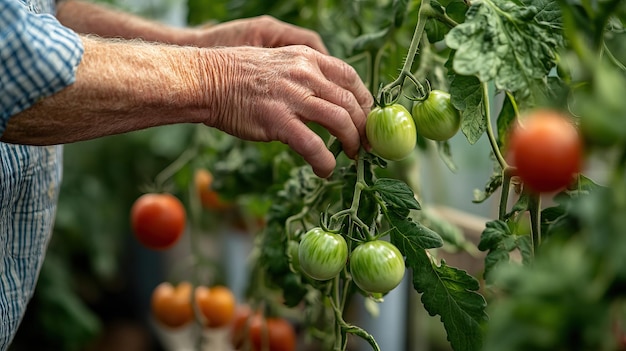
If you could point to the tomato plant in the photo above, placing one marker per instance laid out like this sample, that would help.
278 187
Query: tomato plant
547 150
435 116
321 254
492 83
377 266
171 305
391 131
158 220
216 304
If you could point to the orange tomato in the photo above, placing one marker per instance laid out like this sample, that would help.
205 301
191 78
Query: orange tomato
209 198
171 306
216 304
158 220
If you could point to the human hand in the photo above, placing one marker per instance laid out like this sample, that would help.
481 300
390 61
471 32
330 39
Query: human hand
270 94
263 31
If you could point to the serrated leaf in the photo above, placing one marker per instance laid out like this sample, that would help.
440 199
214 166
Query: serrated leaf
396 194
507 42
446 291
499 241
413 236
466 96
452 294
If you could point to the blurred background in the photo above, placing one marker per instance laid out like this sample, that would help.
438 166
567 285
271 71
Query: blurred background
95 285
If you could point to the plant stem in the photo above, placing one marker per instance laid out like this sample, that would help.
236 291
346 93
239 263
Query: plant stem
169 171
490 134
410 56
504 196
534 208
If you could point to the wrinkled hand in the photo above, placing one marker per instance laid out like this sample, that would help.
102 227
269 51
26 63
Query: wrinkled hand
263 31
270 94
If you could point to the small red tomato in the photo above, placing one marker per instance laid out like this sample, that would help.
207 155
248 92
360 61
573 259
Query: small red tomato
158 220
546 150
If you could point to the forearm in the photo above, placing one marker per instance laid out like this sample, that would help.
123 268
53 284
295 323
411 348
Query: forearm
88 18
120 87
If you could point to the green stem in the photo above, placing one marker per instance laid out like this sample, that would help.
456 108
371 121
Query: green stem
534 208
410 56
169 171
504 196
440 16
490 134
613 59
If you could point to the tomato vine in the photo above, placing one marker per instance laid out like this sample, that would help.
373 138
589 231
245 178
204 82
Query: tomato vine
499 60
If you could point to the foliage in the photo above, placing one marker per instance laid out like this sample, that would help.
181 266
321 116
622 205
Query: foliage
554 268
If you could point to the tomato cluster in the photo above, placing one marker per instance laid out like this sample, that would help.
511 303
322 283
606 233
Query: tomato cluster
376 266
392 130
172 306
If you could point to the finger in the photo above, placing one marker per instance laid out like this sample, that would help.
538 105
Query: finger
344 75
309 145
298 35
334 112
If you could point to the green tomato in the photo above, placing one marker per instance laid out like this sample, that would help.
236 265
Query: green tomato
377 266
322 254
436 118
391 132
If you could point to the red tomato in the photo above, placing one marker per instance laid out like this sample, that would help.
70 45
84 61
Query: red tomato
158 220
547 150
277 333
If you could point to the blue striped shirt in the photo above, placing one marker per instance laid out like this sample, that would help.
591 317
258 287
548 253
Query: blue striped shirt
38 57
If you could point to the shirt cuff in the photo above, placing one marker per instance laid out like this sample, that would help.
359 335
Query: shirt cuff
39 57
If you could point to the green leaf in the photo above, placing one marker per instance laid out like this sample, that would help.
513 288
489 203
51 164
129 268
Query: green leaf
413 236
505 119
466 96
494 182
507 42
446 291
396 194
499 241
452 294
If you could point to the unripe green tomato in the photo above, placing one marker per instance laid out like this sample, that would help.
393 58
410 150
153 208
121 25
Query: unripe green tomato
436 118
377 266
322 254
391 132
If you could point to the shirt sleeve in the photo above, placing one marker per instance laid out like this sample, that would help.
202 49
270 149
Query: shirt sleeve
38 57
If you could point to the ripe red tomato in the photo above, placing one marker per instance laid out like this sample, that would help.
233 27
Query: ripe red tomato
216 304
158 220
546 150
171 306
277 333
